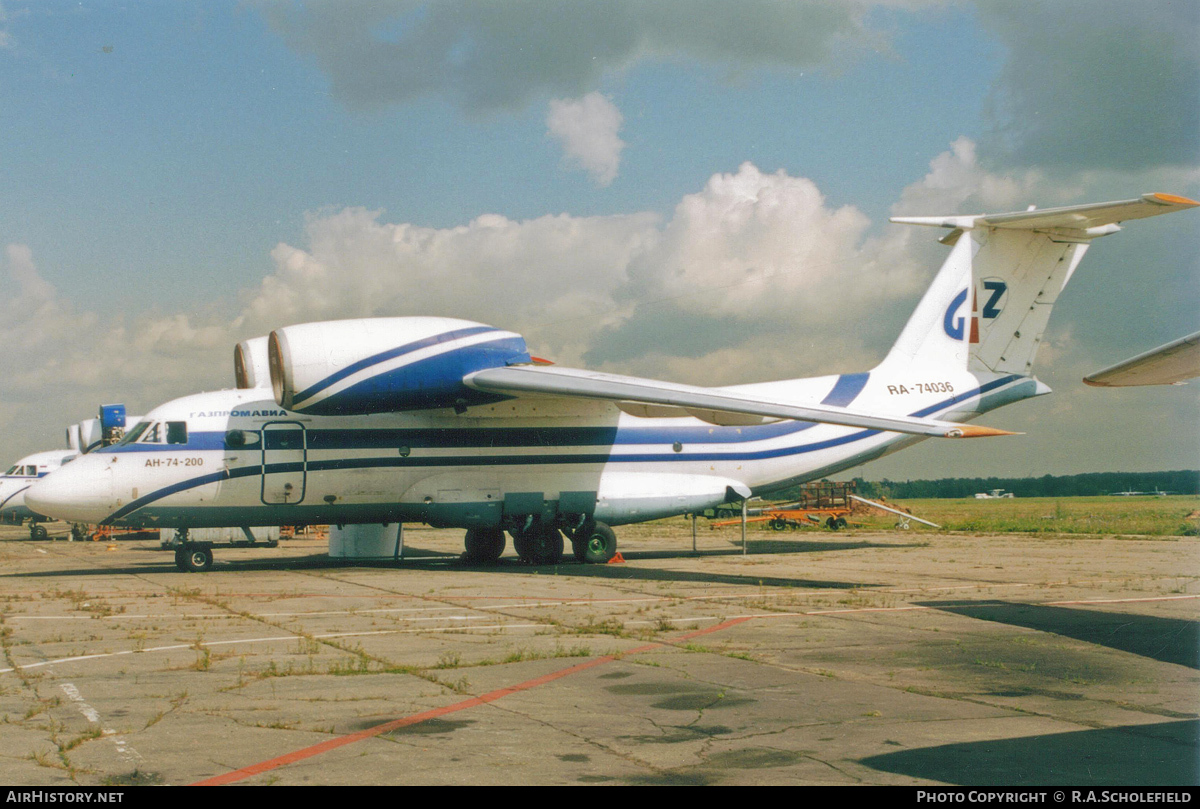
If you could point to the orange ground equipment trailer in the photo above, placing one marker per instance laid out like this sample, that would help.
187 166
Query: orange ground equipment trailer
821 502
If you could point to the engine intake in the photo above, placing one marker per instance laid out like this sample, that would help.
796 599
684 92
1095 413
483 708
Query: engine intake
381 365
251 368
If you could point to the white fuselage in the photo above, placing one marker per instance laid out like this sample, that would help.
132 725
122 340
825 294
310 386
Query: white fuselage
23 474
245 460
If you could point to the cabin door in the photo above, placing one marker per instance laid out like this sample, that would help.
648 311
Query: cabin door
285 458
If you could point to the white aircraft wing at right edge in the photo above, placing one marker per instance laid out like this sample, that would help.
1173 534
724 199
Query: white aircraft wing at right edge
1168 364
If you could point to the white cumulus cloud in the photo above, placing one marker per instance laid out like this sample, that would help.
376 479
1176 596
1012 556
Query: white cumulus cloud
587 128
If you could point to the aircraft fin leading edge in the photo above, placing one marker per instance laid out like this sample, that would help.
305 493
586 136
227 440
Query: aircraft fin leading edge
988 307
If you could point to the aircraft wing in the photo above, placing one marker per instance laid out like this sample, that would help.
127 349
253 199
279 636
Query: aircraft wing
1166 365
707 404
1071 217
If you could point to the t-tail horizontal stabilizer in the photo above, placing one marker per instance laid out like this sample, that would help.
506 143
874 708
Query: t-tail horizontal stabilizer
1088 221
987 309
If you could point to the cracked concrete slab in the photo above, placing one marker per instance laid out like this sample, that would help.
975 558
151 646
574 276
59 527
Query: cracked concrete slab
858 658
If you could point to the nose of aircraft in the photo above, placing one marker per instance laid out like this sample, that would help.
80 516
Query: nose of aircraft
11 496
81 491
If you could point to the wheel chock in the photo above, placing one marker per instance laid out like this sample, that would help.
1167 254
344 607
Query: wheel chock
617 559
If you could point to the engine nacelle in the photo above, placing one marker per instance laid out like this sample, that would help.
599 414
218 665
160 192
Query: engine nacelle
380 365
251 368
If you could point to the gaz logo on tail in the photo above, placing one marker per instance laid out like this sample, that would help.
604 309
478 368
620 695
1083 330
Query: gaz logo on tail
993 295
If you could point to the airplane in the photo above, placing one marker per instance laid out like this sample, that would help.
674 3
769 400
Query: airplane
453 423
16 481
82 438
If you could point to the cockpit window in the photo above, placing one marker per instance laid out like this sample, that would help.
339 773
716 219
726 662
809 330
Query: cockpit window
12 471
157 432
134 434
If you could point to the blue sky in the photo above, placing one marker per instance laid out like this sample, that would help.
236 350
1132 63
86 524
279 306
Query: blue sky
179 176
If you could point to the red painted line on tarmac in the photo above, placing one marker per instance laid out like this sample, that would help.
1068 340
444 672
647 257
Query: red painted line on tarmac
492 696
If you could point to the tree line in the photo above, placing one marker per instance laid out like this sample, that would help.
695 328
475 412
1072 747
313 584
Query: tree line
1090 484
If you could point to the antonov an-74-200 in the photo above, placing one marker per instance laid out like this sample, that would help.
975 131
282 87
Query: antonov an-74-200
452 423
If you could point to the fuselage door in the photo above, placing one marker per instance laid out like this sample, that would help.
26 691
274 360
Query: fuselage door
284 460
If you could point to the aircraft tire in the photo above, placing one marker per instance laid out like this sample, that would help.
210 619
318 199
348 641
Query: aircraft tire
521 545
181 560
599 544
37 531
545 545
197 560
483 545
579 537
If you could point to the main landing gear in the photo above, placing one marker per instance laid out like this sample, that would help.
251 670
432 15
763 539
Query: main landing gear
594 543
541 543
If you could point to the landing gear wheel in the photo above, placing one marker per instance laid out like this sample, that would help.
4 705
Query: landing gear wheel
181 560
521 544
483 545
578 538
37 531
197 560
595 545
539 544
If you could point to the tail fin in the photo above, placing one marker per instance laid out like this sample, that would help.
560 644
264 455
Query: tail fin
988 307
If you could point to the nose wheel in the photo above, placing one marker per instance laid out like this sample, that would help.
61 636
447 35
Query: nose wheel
193 559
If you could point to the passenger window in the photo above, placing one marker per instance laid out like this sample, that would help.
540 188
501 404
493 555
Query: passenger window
177 432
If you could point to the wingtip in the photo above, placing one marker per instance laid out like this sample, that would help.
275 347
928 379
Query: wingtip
1173 199
976 431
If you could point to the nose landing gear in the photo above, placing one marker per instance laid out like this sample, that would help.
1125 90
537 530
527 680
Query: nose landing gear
193 559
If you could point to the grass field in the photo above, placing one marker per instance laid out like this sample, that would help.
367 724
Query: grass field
1177 515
